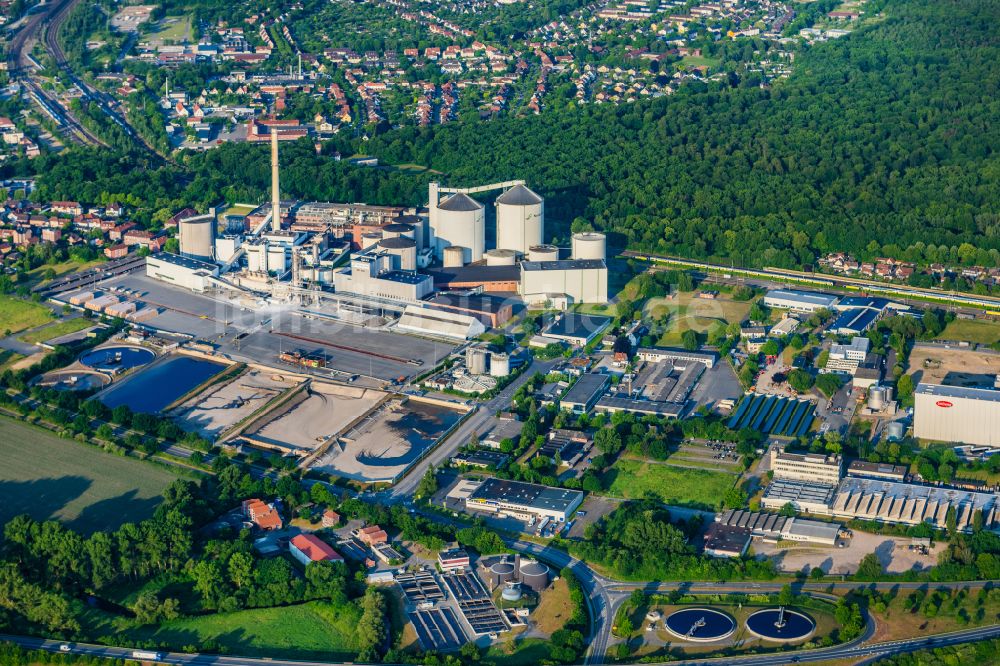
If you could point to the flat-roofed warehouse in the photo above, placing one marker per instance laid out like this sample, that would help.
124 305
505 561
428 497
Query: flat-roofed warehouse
773 526
798 300
524 500
584 394
582 280
803 495
957 414
181 271
910 504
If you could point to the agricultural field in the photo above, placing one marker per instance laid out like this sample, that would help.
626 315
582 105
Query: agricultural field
52 478
696 488
56 330
687 311
313 630
972 330
17 315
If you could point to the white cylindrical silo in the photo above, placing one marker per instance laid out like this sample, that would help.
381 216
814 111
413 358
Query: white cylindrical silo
475 360
454 256
397 229
404 248
877 398
461 221
501 257
370 238
543 253
520 219
197 237
419 225
499 364
589 245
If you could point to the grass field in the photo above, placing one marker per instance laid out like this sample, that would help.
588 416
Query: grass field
57 329
17 315
972 330
64 268
49 477
954 612
554 609
687 311
172 29
698 61
314 630
632 479
516 651
8 359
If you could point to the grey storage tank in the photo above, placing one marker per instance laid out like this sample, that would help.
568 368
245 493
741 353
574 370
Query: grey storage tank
454 256
534 575
197 237
520 219
397 229
404 248
475 360
500 257
500 573
499 364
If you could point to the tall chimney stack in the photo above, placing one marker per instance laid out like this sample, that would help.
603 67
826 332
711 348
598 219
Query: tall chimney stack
275 189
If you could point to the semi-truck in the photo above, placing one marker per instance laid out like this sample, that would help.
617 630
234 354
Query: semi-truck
144 655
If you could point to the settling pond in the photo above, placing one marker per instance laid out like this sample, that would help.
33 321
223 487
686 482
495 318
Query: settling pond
149 391
116 359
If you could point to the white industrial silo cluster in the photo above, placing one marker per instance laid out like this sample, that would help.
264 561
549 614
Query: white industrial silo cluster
460 221
520 219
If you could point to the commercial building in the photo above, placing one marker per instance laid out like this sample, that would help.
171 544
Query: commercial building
492 311
799 301
726 540
584 394
576 329
308 548
579 280
957 414
810 467
855 321
453 559
847 358
803 495
657 354
910 504
612 404
191 274
480 459
376 273
263 515
771 526
524 500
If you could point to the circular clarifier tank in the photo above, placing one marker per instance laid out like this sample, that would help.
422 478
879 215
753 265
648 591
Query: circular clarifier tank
700 625
781 625
75 380
116 359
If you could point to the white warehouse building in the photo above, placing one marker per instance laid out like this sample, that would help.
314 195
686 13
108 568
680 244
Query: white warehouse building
798 300
181 271
580 280
957 414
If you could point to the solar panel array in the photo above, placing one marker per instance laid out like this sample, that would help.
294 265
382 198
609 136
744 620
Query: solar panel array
772 414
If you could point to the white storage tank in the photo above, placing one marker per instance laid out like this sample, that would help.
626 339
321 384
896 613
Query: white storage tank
369 239
501 257
404 248
589 245
543 253
197 237
499 364
895 431
878 397
520 219
419 225
461 221
454 256
397 229
511 592
475 360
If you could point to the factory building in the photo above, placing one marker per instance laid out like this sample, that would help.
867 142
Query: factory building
883 471
524 501
493 311
520 219
909 504
580 280
771 526
487 278
803 495
799 301
957 414
809 467
584 394
423 320
376 273
181 271
657 354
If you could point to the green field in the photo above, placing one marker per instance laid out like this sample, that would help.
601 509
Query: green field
8 358
972 330
49 477
687 311
57 329
314 630
172 29
632 479
36 275
17 315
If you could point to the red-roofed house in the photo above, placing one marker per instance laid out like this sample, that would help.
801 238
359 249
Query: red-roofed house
308 548
372 535
330 518
262 515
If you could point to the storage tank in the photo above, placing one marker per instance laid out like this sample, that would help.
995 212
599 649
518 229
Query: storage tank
520 219
534 575
475 360
404 248
499 364
461 221
370 238
511 592
589 245
501 258
397 229
419 225
543 253
197 237
895 431
500 573
877 398
454 256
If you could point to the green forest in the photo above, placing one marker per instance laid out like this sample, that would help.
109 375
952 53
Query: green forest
881 143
